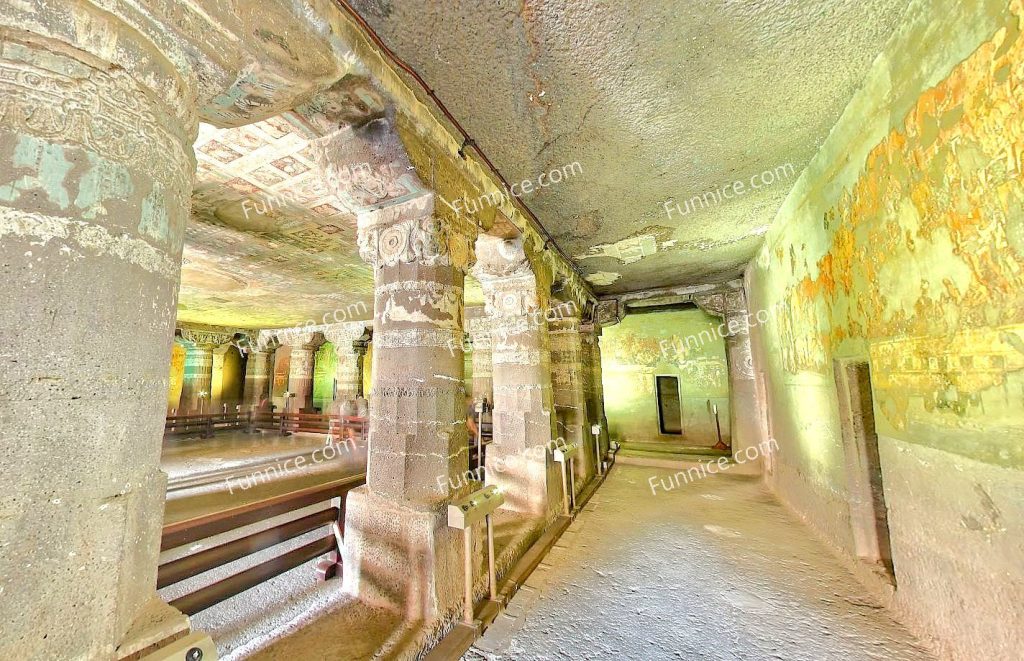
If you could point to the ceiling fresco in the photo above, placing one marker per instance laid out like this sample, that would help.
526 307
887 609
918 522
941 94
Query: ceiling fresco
651 109
269 245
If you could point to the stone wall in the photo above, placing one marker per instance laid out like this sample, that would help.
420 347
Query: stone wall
902 244
680 343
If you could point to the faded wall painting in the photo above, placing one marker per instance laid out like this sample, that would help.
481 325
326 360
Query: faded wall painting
680 343
922 269
903 244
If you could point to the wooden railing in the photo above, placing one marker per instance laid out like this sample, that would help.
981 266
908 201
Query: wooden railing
175 535
350 426
312 423
206 424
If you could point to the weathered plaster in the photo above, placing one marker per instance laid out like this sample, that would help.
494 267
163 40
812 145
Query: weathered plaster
899 245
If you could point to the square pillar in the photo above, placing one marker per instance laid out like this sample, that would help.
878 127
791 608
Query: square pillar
567 382
479 330
400 551
591 334
519 460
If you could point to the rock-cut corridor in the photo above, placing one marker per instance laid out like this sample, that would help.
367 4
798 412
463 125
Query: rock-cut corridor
404 330
716 569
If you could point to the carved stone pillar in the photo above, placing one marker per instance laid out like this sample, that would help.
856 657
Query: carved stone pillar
399 550
567 384
199 366
99 108
519 460
300 371
195 389
731 306
595 391
95 175
347 373
479 330
257 378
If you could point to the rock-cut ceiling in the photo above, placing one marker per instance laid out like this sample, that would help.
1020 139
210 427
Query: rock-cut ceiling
656 102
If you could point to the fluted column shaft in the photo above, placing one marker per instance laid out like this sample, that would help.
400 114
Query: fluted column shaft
300 373
347 369
195 390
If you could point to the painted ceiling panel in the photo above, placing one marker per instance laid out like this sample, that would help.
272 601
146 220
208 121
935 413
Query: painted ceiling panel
269 245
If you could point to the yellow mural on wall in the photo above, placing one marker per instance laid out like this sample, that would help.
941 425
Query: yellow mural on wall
924 269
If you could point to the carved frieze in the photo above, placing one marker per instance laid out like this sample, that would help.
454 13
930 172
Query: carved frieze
205 338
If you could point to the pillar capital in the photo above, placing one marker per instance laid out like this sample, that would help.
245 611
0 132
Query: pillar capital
721 304
343 335
507 277
498 259
299 340
564 324
367 167
410 233
205 339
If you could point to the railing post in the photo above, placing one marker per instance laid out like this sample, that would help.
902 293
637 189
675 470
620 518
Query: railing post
564 455
331 566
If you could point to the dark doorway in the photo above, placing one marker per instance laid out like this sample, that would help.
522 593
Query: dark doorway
670 416
868 512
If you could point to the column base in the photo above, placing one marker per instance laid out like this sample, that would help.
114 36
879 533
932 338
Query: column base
403 559
523 479
158 624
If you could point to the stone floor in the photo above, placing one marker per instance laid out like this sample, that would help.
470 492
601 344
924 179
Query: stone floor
714 569
190 459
